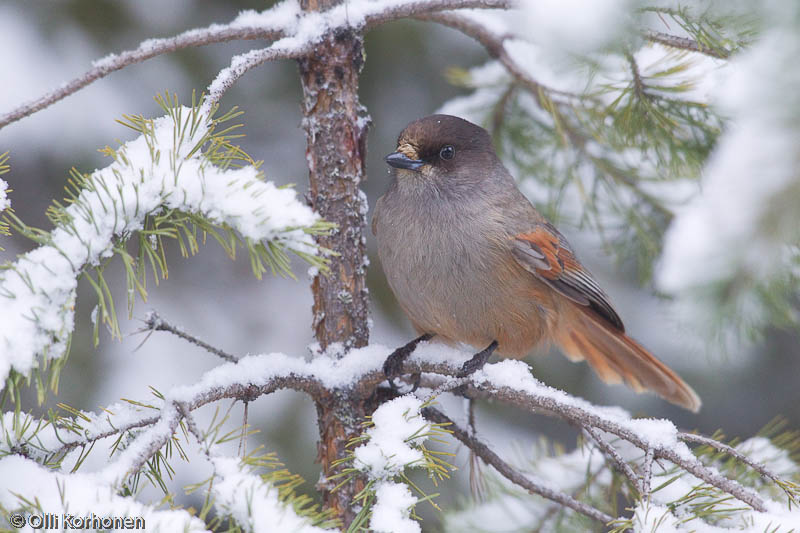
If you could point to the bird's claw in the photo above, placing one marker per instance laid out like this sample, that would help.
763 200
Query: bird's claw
393 366
477 362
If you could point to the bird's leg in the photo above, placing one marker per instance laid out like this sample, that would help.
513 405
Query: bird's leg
393 366
477 361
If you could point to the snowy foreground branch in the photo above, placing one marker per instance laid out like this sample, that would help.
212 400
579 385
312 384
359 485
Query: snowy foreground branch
160 173
653 450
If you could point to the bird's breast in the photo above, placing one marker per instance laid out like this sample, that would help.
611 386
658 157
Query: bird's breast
450 268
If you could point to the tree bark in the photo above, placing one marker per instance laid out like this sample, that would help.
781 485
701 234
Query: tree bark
336 125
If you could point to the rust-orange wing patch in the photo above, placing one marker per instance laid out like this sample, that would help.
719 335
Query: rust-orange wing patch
545 253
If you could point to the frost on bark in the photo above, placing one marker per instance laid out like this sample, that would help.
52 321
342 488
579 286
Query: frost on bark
335 126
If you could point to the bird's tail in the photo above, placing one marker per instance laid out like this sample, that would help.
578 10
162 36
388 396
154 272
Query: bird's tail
616 358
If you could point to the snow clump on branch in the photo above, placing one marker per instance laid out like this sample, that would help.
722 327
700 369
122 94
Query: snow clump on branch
162 169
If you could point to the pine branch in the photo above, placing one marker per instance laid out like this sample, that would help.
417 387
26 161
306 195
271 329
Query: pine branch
178 402
422 7
647 473
217 33
739 456
146 50
154 322
571 412
195 190
556 403
495 47
683 43
616 459
484 452
102 425
242 64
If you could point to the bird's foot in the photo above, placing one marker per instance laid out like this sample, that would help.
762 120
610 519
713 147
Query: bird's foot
478 361
393 366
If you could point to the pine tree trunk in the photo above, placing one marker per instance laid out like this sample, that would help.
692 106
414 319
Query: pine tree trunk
335 126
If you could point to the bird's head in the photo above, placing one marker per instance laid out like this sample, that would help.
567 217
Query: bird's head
441 148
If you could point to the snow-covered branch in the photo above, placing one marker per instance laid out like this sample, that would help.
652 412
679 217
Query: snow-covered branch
234 489
244 63
216 33
295 34
511 382
513 475
163 169
399 428
496 46
683 43
723 284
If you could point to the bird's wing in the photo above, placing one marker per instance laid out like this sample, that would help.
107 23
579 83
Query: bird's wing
546 254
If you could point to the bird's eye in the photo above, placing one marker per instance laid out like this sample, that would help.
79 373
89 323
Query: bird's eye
447 152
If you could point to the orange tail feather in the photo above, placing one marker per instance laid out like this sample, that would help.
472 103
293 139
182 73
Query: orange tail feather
616 358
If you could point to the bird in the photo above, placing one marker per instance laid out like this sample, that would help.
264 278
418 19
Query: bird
471 261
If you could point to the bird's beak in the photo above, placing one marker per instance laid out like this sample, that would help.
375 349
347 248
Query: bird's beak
401 160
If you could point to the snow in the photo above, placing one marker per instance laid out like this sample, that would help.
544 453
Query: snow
258 370
41 437
390 513
5 202
761 450
394 438
516 375
32 65
739 226
281 15
80 495
649 518
545 68
656 433
652 517
252 502
151 172
509 508
574 26
699 76
392 444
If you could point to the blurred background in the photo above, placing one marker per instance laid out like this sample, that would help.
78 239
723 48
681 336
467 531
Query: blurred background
45 43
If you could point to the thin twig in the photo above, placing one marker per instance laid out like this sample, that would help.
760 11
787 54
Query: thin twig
432 6
190 423
615 458
147 50
154 322
243 437
147 443
554 509
647 473
495 47
733 452
507 471
639 86
242 64
684 43
477 484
